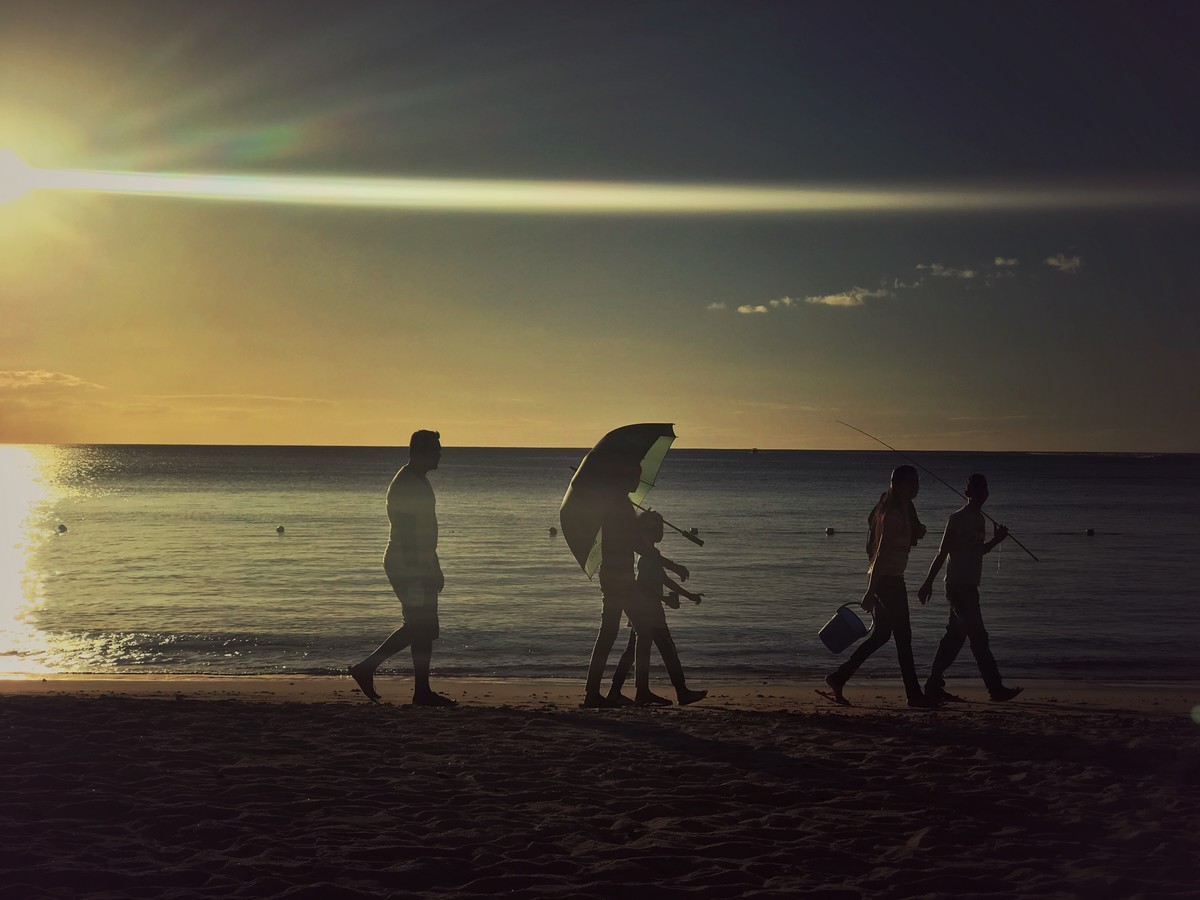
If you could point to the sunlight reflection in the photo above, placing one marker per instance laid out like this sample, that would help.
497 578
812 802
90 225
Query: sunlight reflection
528 197
29 493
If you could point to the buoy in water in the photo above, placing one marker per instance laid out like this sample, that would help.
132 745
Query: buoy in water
830 531
61 528
1090 532
279 530
553 531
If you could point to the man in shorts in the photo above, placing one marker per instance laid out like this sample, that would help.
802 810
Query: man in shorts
412 567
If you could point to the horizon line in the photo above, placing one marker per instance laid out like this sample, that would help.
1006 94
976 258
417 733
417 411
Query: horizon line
743 449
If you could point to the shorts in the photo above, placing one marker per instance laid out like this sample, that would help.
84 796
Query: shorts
419 604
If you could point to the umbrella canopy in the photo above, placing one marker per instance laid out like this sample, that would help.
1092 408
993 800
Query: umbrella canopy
583 505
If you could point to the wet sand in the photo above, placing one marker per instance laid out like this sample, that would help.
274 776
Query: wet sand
297 787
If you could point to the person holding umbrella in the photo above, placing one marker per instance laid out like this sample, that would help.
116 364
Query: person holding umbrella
600 528
620 539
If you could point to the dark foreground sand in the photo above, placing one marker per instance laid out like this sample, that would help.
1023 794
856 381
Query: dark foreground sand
250 787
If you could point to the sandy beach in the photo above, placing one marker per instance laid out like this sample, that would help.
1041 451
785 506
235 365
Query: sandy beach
296 787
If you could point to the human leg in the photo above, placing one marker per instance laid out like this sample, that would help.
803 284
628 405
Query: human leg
393 644
624 664
893 595
610 624
646 615
421 616
968 612
670 656
364 672
422 657
881 630
947 652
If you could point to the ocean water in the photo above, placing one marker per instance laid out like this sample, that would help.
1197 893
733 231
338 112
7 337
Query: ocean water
170 561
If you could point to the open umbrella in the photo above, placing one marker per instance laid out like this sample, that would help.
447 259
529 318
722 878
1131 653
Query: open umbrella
583 505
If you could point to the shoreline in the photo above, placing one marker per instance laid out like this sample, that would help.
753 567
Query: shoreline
869 695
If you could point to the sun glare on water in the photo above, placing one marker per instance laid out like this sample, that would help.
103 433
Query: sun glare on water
28 500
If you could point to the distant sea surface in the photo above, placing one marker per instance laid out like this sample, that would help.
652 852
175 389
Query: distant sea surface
169 561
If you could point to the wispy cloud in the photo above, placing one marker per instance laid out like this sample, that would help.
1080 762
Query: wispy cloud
985 274
776 406
238 401
855 296
1068 265
42 380
1001 418
718 305
937 270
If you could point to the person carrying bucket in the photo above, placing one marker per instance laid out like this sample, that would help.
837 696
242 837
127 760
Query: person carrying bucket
894 531
963 542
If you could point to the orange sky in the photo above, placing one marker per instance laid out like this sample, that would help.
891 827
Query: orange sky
136 319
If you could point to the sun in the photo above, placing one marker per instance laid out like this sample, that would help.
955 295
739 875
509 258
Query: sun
16 178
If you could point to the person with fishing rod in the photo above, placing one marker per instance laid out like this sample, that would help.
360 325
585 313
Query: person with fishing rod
894 531
964 544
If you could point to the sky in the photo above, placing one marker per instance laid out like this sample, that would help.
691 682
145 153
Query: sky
954 225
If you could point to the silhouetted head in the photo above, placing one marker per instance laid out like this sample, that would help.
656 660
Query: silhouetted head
905 483
425 450
977 489
651 525
612 472
628 475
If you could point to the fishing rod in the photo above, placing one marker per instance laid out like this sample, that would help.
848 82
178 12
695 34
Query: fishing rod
936 477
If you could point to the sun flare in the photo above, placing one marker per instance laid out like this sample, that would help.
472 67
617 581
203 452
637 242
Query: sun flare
16 178
530 197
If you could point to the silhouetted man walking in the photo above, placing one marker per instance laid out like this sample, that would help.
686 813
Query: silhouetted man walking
964 543
412 567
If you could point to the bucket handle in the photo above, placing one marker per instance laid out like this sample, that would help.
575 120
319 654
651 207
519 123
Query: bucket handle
850 606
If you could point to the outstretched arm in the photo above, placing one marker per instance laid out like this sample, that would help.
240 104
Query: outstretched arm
650 550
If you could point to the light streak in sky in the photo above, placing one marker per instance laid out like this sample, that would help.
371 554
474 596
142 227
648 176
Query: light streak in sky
527 197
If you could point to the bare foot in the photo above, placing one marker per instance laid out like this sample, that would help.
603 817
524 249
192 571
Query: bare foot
595 701
365 681
429 698
618 699
686 696
1005 693
835 688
